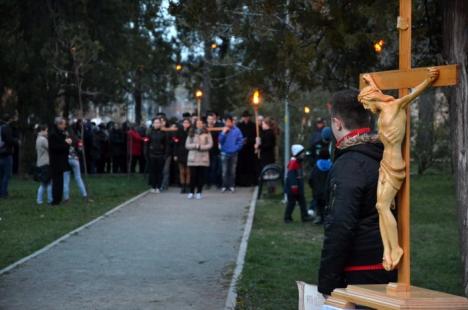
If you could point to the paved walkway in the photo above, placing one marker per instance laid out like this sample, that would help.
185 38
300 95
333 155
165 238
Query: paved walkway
161 252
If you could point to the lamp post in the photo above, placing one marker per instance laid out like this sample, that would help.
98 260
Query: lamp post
256 99
199 96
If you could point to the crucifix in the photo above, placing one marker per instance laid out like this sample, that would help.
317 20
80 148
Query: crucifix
394 131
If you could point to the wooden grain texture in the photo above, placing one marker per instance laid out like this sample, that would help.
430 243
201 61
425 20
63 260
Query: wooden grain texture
404 269
409 78
378 297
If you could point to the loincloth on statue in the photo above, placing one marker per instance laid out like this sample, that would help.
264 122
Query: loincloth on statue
394 175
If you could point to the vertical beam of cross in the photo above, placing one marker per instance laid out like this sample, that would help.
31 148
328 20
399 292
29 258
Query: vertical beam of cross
404 25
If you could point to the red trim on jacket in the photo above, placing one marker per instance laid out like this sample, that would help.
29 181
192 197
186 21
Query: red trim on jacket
352 134
364 268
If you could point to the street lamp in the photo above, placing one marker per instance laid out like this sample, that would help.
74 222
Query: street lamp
178 67
214 45
306 110
198 96
256 100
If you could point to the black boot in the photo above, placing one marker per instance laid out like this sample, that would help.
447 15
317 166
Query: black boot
184 189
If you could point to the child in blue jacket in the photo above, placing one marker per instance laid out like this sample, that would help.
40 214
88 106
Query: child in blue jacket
295 185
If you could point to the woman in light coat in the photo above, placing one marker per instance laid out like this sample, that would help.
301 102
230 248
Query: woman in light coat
43 165
199 143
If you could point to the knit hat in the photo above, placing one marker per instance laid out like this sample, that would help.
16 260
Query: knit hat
296 149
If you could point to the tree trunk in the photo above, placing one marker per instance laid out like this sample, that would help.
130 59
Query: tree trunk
206 103
425 131
455 36
137 97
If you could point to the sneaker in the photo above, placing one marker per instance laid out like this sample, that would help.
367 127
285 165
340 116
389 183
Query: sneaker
223 190
153 191
157 191
232 189
198 196
311 212
190 196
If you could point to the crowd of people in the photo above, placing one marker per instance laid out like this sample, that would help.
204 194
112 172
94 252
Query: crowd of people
193 153
196 153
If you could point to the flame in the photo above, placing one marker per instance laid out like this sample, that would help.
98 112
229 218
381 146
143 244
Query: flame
199 94
306 110
378 46
256 98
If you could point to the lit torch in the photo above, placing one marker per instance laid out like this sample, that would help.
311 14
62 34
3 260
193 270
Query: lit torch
378 46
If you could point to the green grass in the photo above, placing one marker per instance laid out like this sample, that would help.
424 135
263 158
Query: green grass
26 227
280 254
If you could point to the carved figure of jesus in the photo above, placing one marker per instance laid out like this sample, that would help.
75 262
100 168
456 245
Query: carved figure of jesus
391 126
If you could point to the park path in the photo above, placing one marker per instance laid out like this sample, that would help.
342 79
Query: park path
160 252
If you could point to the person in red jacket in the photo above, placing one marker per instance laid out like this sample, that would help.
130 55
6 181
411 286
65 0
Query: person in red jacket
135 146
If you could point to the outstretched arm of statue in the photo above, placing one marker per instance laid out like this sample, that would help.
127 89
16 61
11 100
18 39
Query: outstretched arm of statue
432 75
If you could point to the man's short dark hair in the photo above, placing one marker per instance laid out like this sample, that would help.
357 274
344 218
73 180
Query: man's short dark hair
229 117
345 105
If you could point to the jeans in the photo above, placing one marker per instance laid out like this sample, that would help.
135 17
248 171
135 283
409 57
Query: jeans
166 173
197 179
44 187
6 170
156 171
75 166
214 171
229 165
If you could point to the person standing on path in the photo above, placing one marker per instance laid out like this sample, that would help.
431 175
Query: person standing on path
199 143
246 171
180 155
214 171
74 163
135 142
59 145
231 142
166 179
267 143
43 165
7 144
158 149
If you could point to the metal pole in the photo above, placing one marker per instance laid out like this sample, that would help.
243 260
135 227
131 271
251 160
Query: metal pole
286 131
286 109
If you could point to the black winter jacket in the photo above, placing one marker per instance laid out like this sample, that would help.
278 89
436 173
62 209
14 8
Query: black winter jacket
58 150
158 143
352 236
9 141
179 147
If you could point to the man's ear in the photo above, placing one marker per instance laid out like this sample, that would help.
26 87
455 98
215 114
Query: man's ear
337 123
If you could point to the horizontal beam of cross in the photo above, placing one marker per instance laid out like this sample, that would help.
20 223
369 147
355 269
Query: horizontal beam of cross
398 79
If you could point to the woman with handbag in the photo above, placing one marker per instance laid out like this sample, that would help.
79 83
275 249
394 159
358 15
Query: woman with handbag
42 165
199 143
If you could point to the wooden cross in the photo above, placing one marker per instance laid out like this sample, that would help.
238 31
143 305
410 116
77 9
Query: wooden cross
403 79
